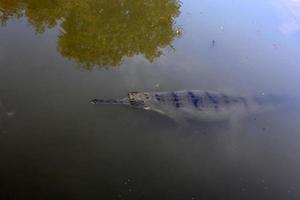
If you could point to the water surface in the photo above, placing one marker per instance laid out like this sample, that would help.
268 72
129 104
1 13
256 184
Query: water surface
57 55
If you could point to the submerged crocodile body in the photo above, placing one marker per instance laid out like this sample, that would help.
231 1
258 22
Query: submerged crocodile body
195 103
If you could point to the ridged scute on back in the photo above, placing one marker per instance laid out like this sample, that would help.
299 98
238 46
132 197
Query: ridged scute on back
197 99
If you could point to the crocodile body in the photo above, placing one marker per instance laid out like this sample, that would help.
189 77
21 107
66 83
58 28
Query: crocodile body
198 104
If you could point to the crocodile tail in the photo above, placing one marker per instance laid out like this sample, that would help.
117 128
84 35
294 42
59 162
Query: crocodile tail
279 100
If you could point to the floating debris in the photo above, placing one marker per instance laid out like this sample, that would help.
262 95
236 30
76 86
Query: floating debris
157 85
4 115
213 43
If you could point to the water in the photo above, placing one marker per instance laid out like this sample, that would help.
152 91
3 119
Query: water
57 55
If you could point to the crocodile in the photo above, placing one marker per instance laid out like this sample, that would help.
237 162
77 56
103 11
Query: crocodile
204 105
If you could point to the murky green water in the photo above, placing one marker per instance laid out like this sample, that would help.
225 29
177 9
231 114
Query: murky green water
56 55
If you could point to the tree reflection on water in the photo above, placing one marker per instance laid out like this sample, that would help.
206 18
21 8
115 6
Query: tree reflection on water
100 33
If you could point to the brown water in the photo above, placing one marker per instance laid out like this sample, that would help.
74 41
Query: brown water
56 55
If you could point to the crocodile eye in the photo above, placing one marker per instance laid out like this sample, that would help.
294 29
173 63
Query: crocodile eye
147 96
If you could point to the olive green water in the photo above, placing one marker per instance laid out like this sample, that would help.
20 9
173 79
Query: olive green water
56 55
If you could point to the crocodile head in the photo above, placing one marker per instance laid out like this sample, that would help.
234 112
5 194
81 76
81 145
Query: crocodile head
139 99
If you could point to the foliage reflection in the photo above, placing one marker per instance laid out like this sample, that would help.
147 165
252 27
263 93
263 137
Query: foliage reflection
100 32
